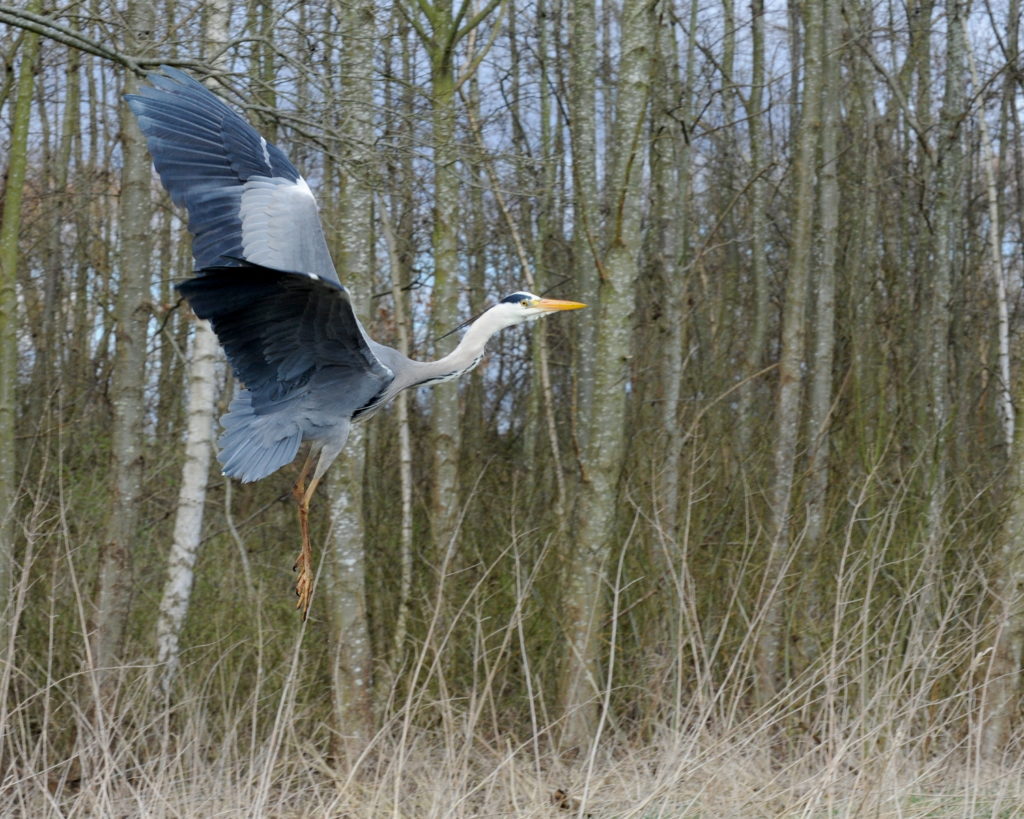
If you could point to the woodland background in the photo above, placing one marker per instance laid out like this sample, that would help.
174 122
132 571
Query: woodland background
746 537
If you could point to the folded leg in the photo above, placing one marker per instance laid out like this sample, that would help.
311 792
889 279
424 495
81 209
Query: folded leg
328 452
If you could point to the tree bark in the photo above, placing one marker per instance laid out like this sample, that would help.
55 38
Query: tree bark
755 347
445 428
195 472
400 257
768 652
582 104
661 289
115 582
937 326
17 166
58 163
1003 680
441 27
351 651
188 519
405 461
605 416
819 411
989 162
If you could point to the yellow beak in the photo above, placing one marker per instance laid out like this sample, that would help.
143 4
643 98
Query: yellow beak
557 304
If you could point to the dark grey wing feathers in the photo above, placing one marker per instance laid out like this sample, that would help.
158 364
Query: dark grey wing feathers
244 197
294 342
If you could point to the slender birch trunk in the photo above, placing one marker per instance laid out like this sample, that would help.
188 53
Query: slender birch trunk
199 433
17 166
115 583
441 26
188 520
819 411
263 65
862 261
768 652
586 200
578 685
445 427
755 347
918 71
43 383
937 325
405 461
995 248
668 225
440 41
351 651
1003 679
400 261
603 456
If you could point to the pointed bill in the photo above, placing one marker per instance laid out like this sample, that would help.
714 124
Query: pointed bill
557 304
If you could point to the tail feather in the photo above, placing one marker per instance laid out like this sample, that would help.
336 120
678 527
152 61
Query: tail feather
253 446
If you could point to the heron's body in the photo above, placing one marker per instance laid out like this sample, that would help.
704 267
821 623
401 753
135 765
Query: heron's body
267 284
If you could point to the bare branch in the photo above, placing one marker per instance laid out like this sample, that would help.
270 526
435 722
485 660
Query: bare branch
58 32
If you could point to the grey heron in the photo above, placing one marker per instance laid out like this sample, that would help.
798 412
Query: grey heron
266 282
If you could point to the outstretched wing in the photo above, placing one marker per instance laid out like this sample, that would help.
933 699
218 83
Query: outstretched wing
294 342
245 199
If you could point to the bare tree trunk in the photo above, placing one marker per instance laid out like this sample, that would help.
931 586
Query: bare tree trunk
1003 680
995 247
351 652
578 684
755 347
115 584
441 27
195 472
819 418
445 428
400 257
263 65
862 260
605 417
1003 677
188 520
769 643
946 225
54 288
17 165
405 462
675 297
587 203
661 340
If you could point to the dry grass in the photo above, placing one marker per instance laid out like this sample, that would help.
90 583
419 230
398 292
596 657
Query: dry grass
893 753
881 722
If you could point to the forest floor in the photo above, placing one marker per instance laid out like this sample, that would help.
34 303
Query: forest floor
444 774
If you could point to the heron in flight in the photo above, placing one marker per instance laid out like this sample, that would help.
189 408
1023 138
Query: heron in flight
265 281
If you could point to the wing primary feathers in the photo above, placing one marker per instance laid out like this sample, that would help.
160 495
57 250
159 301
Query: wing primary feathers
243 195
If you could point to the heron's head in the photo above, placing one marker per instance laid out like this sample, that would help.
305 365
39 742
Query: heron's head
518 308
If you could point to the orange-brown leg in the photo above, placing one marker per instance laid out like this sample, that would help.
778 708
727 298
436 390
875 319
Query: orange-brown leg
304 562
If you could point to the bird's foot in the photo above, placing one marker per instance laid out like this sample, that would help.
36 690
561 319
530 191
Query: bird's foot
304 581
304 562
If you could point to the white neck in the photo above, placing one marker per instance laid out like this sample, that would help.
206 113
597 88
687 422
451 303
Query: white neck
465 356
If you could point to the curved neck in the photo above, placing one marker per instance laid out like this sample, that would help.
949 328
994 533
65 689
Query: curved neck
464 357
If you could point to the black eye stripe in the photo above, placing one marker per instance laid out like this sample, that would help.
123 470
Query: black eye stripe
516 298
